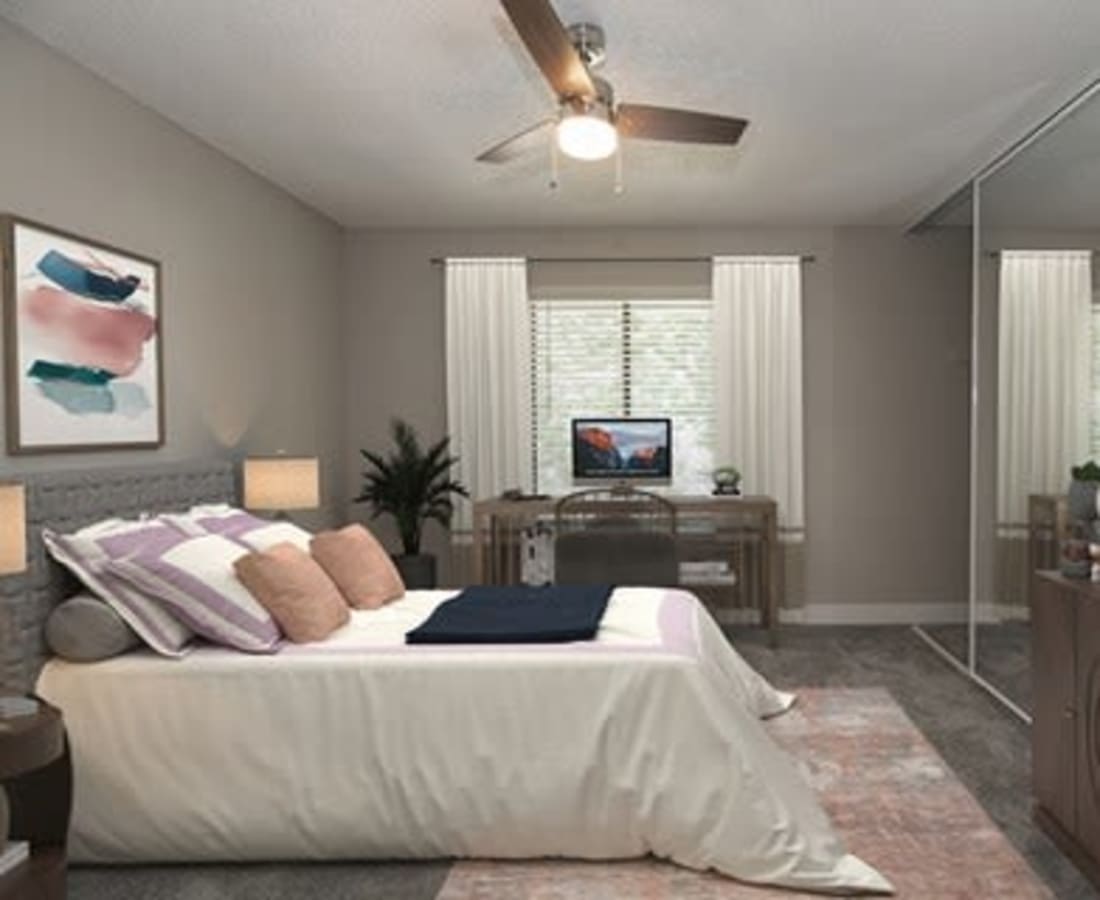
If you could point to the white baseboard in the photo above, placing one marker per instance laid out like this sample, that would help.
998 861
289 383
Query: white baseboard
855 614
881 614
1012 613
876 614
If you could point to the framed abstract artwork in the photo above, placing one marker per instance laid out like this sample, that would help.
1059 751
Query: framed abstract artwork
82 328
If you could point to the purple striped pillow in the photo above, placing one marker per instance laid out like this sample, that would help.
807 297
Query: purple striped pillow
241 527
195 581
88 554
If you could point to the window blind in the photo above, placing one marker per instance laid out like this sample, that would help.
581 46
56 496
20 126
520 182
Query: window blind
613 357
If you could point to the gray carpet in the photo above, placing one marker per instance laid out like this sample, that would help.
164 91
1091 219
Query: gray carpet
987 748
1004 655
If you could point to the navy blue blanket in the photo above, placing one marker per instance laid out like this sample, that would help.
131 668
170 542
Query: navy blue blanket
516 615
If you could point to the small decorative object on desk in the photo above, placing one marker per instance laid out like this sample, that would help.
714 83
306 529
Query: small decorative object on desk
727 481
1076 561
13 707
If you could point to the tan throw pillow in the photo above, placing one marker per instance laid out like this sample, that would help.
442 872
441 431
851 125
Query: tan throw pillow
360 566
297 593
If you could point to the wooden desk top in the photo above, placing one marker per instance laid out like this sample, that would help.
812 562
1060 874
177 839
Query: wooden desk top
685 502
1082 586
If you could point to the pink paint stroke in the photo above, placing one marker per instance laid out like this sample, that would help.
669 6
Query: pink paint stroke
76 331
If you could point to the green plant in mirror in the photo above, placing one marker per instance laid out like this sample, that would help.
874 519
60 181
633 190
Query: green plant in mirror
1088 471
726 475
411 484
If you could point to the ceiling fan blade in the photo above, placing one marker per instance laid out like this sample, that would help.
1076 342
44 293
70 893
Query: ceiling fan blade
548 42
518 144
658 123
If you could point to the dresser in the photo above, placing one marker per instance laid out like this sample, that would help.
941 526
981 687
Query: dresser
1065 629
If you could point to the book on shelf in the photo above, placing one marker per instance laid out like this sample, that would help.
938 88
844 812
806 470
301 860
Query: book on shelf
15 853
704 579
705 567
12 707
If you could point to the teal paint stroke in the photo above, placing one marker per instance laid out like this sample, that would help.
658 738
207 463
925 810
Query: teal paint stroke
124 399
78 399
51 371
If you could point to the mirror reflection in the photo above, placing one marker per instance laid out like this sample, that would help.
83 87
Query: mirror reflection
1040 231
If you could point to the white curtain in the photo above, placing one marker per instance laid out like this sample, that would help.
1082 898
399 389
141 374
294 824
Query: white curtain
1043 375
758 353
488 377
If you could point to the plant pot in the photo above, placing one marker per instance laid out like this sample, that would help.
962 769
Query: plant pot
1075 559
417 570
1081 500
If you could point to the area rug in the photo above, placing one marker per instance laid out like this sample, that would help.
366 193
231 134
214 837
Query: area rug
891 797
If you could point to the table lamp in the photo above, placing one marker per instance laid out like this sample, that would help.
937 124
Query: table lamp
13 529
13 559
282 483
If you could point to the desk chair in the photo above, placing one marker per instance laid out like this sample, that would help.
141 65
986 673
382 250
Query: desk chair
621 536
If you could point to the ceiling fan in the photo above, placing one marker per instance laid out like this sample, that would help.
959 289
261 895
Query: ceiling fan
589 122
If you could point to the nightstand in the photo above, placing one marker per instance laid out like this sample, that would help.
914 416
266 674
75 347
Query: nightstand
36 774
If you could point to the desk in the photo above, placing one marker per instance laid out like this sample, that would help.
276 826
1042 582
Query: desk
740 530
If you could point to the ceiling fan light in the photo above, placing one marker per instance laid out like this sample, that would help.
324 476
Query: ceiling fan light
587 136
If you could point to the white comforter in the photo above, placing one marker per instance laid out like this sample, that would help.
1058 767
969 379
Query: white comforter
647 740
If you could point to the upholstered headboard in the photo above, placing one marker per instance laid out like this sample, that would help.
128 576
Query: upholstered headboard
65 501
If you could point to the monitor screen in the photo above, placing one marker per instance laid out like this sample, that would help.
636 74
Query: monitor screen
616 449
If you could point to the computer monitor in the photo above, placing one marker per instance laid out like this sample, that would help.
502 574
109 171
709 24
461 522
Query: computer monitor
610 450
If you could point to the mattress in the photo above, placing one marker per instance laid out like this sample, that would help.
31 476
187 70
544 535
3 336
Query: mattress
646 740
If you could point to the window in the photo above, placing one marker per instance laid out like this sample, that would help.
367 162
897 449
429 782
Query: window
648 358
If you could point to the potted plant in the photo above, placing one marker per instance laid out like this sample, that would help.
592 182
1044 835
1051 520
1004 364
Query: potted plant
413 486
1082 491
727 481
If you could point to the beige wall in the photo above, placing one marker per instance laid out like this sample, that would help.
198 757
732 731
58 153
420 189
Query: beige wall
251 277
886 345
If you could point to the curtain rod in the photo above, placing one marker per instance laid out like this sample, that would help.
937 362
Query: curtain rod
805 257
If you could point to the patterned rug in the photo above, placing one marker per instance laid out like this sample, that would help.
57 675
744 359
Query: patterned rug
890 795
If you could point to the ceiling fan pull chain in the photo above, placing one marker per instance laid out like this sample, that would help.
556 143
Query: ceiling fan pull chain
619 188
553 162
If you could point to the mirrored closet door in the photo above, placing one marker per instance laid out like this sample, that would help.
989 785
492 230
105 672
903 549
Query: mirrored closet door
1039 233
948 623
1033 217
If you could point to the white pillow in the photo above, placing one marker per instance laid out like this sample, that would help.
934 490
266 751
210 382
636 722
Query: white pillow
267 536
240 526
195 581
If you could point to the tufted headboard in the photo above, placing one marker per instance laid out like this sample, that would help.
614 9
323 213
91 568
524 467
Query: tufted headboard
65 501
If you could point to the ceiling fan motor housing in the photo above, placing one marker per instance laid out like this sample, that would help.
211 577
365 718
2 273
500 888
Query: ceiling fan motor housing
588 41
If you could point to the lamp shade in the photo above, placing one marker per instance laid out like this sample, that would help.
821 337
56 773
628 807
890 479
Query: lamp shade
282 483
13 529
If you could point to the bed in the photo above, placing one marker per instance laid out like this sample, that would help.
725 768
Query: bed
646 740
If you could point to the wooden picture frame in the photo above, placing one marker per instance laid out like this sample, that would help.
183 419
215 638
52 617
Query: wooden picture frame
83 331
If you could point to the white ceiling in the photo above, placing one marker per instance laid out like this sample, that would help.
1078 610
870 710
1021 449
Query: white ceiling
862 111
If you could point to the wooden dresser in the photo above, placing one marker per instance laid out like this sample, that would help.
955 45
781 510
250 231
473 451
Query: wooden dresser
1065 648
